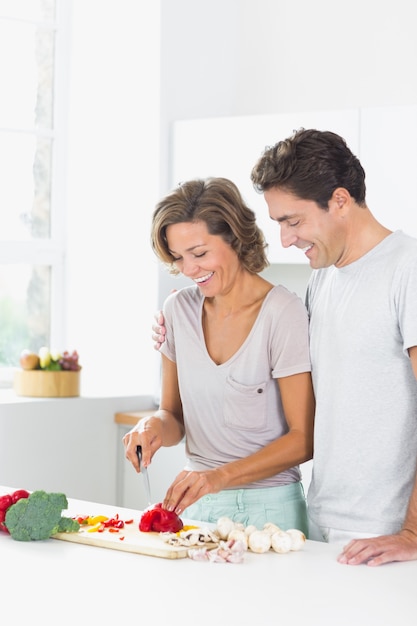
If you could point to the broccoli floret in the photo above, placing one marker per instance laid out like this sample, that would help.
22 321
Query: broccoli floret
38 516
68 525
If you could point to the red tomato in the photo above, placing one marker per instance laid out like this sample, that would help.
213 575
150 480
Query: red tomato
18 494
5 502
160 520
3 526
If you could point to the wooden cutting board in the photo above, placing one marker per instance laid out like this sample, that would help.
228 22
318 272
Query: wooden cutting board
133 540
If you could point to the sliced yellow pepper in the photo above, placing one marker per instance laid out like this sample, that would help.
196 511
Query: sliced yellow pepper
97 519
95 528
189 527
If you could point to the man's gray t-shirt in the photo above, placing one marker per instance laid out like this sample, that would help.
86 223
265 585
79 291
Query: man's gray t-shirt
363 318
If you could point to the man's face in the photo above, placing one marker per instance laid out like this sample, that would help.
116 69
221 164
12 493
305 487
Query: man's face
319 233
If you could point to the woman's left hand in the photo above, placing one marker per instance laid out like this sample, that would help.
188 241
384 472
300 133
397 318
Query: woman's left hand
188 487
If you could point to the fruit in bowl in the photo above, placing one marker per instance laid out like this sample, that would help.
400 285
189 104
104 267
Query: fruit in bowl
29 360
50 361
69 361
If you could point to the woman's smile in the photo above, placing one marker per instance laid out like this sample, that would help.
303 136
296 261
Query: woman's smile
203 279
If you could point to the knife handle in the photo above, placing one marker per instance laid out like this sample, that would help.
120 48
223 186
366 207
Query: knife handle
139 453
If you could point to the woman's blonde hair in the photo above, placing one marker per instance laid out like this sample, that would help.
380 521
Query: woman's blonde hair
218 203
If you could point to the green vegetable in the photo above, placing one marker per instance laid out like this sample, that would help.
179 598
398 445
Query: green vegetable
68 525
39 517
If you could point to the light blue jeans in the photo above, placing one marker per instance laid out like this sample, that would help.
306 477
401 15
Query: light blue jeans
284 506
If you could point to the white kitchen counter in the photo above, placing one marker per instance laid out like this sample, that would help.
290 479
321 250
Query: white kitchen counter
59 582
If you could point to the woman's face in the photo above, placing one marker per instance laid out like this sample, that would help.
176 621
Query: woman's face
207 259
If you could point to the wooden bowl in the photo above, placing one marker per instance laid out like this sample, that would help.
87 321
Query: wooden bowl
44 384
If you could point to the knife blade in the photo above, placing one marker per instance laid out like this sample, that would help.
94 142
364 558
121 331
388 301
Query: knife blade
144 472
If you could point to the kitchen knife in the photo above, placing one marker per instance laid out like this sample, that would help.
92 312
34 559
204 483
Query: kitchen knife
144 472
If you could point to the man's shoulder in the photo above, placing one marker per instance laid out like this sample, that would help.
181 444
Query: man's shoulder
404 241
401 249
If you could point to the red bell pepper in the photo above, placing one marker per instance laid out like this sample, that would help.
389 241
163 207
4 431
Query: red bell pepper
160 520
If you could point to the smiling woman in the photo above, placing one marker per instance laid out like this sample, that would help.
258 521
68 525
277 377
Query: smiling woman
235 366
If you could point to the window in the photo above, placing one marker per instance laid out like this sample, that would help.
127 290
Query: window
32 213
87 277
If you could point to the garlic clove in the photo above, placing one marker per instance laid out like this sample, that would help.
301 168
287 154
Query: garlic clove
236 556
198 554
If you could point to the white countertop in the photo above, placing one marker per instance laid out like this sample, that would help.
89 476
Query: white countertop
59 582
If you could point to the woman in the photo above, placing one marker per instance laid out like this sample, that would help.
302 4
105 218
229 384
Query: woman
236 376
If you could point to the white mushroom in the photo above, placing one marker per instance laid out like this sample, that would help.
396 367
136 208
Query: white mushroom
238 535
259 541
224 526
171 538
250 529
271 528
191 537
281 542
205 535
298 538
271 536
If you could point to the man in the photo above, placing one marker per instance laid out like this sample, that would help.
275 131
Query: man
362 305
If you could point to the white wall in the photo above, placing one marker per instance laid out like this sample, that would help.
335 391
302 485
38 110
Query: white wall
112 187
247 57
297 55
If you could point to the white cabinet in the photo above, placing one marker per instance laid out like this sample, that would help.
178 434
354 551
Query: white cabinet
230 146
